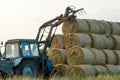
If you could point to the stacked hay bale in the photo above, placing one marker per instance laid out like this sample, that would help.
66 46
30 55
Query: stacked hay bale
88 46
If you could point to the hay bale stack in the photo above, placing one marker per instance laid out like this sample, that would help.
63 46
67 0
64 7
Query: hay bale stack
58 56
102 41
116 39
77 39
113 69
95 26
107 27
99 55
83 70
115 28
117 56
101 69
110 56
63 69
77 55
58 41
75 26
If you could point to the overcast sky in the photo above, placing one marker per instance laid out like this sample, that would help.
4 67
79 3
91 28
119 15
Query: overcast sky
22 18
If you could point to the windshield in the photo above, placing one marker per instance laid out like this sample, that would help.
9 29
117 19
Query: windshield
29 49
12 50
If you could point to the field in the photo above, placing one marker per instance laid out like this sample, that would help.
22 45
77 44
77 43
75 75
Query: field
100 77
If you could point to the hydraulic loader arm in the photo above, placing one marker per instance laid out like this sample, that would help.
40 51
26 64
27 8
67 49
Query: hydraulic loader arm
52 25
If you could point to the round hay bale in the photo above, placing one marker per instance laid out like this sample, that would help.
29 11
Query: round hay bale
107 27
76 70
95 27
113 69
77 55
77 39
58 41
102 41
58 56
63 69
117 56
115 28
118 67
97 41
83 70
75 26
99 55
110 56
101 69
116 39
109 42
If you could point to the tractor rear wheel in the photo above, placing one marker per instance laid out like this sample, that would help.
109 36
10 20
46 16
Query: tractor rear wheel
29 69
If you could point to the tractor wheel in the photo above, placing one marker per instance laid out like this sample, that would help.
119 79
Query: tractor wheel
29 69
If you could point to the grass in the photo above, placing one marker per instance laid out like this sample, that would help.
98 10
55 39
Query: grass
100 77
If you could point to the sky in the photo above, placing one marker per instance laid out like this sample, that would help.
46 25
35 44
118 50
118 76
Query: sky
22 18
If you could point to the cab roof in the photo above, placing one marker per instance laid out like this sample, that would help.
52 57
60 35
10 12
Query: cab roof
22 40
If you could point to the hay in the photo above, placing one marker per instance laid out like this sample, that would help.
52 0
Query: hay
58 41
107 27
77 39
63 69
101 69
77 55
110 56
76 70
99 55
75 26
117 56
108 41
95 27
115 28
83 70
113 69
58 56
102 41
116 39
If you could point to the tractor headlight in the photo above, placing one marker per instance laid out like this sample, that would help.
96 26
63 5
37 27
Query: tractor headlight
17 61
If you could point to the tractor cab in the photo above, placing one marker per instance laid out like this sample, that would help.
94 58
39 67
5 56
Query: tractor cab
21 48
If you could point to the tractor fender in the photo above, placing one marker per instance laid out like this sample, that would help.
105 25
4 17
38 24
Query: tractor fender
18 61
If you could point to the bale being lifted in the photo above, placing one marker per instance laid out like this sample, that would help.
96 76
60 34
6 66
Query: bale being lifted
77 55
77 39
58 56
75 26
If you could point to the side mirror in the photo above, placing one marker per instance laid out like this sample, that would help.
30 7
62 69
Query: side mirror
1 43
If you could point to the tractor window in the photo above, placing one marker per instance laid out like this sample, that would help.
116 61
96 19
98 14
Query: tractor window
34 49
12 50
25 49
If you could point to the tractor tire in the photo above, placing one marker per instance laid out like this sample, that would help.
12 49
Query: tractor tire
28 69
